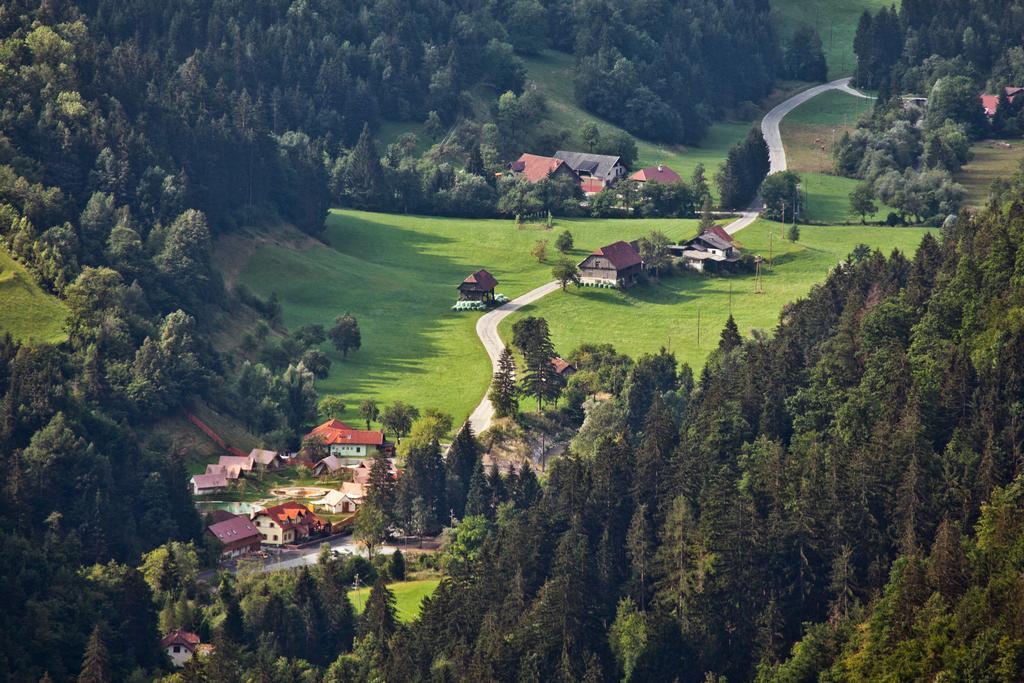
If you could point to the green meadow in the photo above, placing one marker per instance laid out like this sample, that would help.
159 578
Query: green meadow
398 275
408 597
835 21
991 159
666 313
26 311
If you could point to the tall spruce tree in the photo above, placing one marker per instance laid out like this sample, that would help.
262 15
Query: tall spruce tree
96 661
504 391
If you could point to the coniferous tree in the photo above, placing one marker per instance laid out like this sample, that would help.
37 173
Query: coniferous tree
459 465
478 500
379 617
96 660
504 393
364 177
730 338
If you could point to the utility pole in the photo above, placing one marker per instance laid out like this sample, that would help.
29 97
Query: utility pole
730 298
771 234
698 327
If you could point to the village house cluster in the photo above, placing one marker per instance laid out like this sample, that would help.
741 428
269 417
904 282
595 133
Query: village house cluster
333 451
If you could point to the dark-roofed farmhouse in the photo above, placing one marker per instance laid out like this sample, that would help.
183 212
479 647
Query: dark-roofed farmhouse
593 169
617 264
478 286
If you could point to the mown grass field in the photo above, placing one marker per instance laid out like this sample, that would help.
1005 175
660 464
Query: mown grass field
665 314
26 311
408 597
809 134
835 21
991 160
398 275
551 71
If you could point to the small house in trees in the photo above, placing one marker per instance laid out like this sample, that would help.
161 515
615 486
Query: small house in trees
205 484
287 523
180 646
478 286
265 460
563 368
231 472
990 103
655 174
617 264
344 500
710 250
237 536
350 445
595 171
536 168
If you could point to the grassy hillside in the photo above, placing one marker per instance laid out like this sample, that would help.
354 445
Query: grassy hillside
645 318
397 275
991 160
835 21
26 311
408 596
551 71
809 133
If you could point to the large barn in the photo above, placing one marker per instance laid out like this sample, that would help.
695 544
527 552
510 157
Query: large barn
616 264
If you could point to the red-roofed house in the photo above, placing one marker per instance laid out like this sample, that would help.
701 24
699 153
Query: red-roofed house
289 522
536 168
617 264
478 286
349 444
180 646
656 174
237 535
990 103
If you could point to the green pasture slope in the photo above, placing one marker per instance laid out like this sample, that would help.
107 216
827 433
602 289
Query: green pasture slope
408 597
835 21
26 311
398 276
665 314
809 133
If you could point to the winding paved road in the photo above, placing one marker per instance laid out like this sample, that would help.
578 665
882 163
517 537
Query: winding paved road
487 325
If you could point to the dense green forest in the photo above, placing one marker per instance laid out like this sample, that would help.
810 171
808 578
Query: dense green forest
841 500
858 470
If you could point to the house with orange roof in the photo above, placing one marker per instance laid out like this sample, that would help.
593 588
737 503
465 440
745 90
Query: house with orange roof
536 168
289 522
348 444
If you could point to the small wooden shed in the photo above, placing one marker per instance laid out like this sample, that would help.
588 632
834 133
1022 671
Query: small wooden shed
478 286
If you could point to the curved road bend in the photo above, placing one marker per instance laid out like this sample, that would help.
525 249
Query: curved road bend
487 325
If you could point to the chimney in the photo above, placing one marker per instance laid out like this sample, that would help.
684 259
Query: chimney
660 168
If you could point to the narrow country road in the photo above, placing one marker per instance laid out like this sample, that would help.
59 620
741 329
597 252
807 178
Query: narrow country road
487 325
770 122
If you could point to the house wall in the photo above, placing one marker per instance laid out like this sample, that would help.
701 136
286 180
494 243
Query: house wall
271 532
590 275
180 657
347 450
